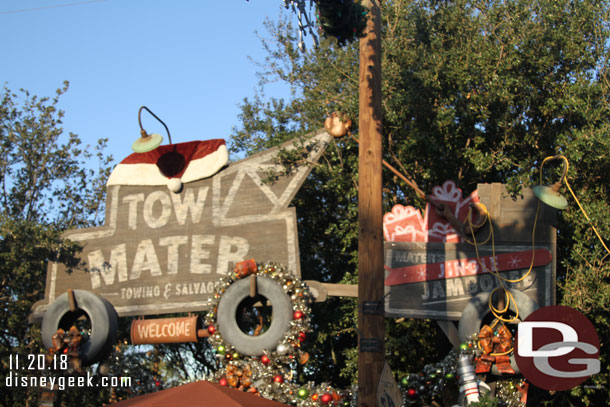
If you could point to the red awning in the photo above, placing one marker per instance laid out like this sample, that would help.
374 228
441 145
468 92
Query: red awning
199 394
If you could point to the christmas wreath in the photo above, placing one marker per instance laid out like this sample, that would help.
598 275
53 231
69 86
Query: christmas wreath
241 301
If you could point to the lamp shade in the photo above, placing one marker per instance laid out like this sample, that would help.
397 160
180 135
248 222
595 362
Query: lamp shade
147 143
550 196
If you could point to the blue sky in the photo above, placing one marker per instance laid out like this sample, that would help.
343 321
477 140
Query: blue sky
186 60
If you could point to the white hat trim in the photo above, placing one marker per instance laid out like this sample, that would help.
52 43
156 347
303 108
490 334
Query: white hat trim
149 174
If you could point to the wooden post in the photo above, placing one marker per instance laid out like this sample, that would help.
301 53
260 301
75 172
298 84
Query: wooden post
371 347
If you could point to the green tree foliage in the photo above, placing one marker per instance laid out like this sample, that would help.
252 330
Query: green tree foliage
474 91
49 183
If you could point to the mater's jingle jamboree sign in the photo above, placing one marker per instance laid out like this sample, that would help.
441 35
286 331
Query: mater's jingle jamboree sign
431 272
161 251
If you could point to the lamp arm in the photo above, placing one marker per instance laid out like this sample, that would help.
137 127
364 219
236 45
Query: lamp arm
564 174
143 132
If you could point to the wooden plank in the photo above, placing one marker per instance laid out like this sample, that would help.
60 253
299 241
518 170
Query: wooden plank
388 393
513 218
370 236
341 290
318 290
321 291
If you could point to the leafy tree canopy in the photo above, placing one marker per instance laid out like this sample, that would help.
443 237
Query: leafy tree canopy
49 182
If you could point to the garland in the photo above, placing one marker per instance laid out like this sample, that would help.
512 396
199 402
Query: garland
343 19
271 374
438 382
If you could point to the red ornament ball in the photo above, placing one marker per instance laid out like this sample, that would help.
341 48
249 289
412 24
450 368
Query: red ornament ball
222 381
211 329
411 393
298 314
265 360
302 336
326 398
278 378
157 383
314 397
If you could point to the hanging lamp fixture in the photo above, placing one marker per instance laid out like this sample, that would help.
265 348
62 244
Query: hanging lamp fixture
549 194
148 142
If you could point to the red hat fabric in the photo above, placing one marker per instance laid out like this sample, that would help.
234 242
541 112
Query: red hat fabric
183 162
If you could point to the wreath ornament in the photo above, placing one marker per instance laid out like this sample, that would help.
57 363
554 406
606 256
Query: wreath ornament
260 357
287 347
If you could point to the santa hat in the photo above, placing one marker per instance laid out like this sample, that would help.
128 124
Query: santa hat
172 164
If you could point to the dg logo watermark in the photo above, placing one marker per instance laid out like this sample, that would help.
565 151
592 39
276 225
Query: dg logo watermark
557 348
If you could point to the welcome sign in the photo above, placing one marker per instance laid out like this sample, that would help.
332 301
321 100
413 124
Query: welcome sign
163 252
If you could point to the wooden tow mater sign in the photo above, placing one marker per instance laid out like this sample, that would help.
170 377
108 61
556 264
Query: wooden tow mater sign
161 251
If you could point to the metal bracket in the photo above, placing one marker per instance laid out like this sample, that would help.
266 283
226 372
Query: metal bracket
370 345
372 308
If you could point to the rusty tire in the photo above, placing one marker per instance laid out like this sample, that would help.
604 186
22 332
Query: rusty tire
280 320
101 315
478 309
